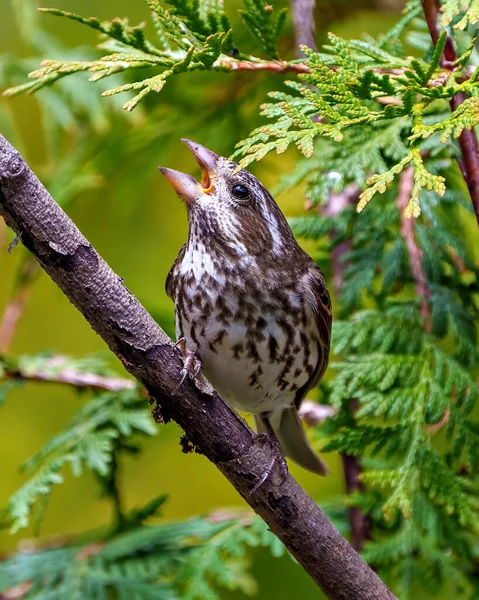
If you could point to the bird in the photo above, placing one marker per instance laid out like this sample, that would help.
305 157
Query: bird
252 309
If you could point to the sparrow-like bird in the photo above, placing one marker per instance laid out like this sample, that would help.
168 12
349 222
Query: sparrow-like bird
252 306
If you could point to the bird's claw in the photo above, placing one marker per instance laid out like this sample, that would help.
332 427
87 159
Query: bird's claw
191 364
277 458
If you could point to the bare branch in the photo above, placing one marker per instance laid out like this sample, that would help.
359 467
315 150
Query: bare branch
430 429
149 354
57 371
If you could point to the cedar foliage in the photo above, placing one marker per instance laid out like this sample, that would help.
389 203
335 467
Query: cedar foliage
365 114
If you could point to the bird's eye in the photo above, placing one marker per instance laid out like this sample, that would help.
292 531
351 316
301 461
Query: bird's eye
240 192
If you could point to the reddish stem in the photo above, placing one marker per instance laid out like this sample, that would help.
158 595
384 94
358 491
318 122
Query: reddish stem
360 529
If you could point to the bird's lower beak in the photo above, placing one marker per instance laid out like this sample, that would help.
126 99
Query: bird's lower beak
185 185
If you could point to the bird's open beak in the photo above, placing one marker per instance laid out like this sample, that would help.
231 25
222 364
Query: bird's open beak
185 185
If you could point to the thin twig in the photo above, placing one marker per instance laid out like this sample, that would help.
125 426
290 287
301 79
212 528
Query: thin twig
430 429
54 371
406 184
457 260
152 358
468 139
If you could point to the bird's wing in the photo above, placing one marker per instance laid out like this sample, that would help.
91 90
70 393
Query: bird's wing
170 276
318 311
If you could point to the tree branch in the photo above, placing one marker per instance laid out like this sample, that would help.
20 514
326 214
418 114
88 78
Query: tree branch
468 138
56 371
149 354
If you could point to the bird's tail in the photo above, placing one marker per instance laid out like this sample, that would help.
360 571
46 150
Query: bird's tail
289 430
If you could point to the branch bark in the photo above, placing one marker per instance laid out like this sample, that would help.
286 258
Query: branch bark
468 138
150 356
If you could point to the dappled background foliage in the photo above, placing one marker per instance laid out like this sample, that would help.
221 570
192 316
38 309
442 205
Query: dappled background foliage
403 379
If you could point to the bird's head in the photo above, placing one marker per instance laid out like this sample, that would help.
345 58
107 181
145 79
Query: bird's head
229 206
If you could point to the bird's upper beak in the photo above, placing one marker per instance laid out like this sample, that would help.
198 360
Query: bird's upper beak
185 185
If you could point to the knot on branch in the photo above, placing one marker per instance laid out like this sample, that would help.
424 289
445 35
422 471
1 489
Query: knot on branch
12 167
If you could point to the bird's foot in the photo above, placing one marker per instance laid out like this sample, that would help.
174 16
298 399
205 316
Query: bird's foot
277 458
191 364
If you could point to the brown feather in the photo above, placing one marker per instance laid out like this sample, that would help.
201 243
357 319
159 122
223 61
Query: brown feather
318 302
170 278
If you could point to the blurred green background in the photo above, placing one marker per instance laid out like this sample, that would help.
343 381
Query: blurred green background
134 220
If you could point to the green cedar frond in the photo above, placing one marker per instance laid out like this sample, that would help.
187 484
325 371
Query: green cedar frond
118 29
88 442
342 99
206 565
264 23
193 55
462 60
408 388
412 9
192 36
187 559
422 179
452 8
17 513
191 15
